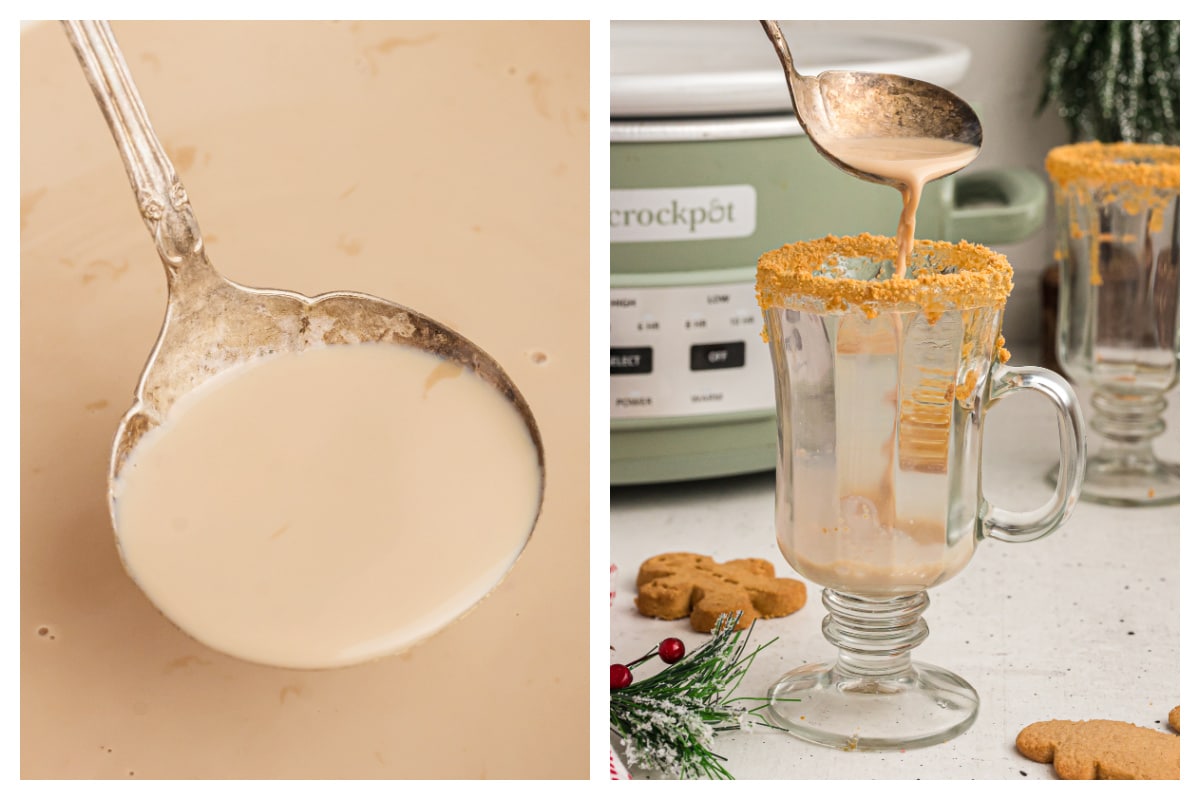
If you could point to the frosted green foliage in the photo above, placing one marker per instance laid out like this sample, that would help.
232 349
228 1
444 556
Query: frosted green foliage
668 722
1114 80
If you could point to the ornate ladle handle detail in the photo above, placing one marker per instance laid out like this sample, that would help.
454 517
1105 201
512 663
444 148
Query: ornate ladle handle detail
161 198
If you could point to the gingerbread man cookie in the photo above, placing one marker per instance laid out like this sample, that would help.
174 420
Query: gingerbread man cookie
677 585
1101 748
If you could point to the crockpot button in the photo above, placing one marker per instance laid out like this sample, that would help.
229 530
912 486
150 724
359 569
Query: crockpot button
725 355
630 360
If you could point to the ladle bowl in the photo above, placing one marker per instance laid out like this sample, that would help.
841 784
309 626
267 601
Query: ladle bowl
213 324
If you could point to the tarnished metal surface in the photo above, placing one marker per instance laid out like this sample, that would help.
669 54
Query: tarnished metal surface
849 105
213 324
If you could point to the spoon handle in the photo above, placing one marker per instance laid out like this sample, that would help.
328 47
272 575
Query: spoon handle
781 45
161 198
801 89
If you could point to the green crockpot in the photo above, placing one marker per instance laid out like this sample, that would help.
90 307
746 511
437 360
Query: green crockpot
798 195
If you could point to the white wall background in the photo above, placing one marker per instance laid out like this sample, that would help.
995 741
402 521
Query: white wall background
1003 85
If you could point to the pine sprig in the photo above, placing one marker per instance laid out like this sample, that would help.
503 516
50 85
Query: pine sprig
1114 80
668 722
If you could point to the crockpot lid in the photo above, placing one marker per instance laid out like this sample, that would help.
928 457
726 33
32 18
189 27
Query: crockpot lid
707 68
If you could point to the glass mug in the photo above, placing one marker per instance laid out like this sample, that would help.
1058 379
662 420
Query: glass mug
881 386
1117 214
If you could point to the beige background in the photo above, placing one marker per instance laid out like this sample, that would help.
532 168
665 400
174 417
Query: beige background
443 166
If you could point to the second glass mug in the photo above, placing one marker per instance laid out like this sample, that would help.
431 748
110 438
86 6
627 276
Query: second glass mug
881 388
1117 214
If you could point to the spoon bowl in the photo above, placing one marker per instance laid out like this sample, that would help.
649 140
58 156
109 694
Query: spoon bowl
840 105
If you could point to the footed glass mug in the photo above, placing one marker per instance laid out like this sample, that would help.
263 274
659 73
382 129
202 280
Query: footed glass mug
1117 212
881 386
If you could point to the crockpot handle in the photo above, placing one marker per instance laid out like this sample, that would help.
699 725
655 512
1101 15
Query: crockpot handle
997 206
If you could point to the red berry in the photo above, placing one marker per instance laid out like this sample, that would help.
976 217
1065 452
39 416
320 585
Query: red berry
619 676
670 650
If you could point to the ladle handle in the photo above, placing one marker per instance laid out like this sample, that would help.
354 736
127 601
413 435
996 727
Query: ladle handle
161 198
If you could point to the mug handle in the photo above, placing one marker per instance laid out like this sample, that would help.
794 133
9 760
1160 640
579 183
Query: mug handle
1026 526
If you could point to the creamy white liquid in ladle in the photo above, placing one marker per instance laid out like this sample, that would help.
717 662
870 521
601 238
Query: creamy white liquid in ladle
326 507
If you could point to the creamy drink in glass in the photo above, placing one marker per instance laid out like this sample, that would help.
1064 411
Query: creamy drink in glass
883 379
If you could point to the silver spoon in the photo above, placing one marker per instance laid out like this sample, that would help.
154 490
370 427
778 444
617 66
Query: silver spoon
841 104
212 323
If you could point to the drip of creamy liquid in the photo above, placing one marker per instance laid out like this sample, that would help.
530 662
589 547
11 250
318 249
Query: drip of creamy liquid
910 161
327 507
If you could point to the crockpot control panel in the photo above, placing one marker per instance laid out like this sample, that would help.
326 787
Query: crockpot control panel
687 351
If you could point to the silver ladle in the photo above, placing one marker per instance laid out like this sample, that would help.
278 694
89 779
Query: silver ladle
213 324
840 104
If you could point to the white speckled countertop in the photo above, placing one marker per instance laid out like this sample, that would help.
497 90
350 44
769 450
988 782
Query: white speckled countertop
1081 624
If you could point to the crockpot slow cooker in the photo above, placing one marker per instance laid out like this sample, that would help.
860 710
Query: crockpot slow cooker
709 169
